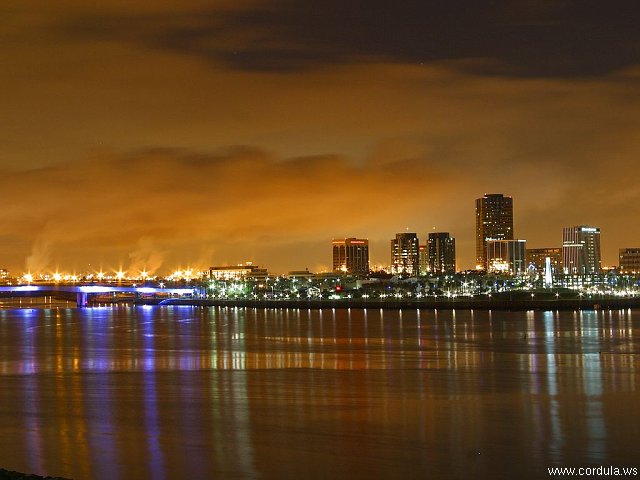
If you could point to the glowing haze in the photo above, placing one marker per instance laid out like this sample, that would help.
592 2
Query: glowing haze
152 135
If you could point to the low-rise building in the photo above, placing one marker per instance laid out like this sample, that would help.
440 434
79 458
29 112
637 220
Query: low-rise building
506 256
248 271
537 257
629 260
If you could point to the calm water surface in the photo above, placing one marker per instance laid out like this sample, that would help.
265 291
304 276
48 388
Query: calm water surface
201 393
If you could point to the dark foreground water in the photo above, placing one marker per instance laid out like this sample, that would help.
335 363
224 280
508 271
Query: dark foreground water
196 393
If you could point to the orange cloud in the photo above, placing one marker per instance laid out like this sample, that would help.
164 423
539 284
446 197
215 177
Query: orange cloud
365 147
171 204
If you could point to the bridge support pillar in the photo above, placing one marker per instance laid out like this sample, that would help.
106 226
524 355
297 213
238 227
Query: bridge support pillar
82 299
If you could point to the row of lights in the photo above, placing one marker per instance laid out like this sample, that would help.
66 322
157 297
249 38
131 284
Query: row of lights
119 275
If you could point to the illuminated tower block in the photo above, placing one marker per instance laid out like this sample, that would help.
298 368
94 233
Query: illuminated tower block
351 255
494 221
405 254
581 250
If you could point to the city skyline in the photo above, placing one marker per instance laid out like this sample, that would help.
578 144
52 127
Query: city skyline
155 263
345 260
153 135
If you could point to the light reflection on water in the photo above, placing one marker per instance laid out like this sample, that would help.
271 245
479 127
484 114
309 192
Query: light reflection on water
185 392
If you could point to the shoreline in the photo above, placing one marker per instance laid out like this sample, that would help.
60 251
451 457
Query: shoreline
605 303
13 475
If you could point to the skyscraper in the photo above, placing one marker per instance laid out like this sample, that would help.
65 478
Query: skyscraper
351 255
405 254
494 221
442 253
581 250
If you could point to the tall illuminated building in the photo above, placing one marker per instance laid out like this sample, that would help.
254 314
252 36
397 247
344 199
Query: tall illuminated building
351 255
581 250
423 257
405 254
494 221
442 253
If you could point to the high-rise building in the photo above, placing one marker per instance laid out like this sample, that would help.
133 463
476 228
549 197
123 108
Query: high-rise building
538 258
494 221
423 256
351 255
405 254
442 253
630 260
506 256
581 250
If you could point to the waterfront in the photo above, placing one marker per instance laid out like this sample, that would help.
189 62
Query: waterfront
190 392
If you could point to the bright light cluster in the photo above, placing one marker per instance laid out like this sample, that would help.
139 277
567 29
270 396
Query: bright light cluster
117 275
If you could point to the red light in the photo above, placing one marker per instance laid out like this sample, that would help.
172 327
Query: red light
338 288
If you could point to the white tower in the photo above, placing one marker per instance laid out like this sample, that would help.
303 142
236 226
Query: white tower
548 278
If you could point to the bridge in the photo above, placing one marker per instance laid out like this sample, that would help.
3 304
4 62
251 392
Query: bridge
84 291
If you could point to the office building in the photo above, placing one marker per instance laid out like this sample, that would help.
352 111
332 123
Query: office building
537 258
630 260
248 271
442 253
581 250
301 275
494 221
423 257
351 256
405 254
506 256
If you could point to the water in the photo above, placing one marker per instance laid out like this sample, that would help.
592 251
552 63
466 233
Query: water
182 392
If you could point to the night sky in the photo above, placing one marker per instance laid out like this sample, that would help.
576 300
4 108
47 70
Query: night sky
166 133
